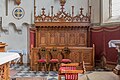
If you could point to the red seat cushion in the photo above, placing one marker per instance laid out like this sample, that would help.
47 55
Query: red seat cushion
65 60
42 60
54 60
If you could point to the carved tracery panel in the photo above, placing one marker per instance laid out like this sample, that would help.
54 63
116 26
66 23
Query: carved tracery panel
61 37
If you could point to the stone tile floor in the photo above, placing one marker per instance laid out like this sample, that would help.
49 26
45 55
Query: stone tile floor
24 72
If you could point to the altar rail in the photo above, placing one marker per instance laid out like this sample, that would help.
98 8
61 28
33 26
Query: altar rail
77 54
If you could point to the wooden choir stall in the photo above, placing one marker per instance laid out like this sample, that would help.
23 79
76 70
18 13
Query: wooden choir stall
62 30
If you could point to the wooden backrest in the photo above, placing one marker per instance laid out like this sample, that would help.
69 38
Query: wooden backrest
65 53
54 53
42 53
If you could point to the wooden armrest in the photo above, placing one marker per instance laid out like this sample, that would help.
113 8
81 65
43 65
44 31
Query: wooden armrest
71 71
70 64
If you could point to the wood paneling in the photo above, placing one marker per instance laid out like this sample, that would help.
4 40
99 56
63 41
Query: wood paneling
61 37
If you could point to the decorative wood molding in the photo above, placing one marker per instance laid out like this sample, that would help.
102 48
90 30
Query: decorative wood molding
62 15
64 24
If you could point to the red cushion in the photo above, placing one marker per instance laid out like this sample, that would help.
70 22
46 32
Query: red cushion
42 60
66 60
54 60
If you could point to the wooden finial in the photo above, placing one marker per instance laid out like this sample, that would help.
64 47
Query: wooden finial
62 2
18 2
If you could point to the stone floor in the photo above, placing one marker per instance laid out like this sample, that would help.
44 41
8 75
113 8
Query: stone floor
19 72
24 71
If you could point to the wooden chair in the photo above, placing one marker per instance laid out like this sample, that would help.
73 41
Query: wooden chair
42 53
65 53
70 69
54 61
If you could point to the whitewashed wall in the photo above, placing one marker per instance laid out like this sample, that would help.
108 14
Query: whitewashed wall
96 11
26 5
0 8
16 40
56 4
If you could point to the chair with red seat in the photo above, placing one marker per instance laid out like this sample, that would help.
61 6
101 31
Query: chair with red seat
70 69
66 53
42 58
54 61
63 67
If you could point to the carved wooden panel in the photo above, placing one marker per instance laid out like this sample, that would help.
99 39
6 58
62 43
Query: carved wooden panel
33 58
61 37
87 56
4 72
77 54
